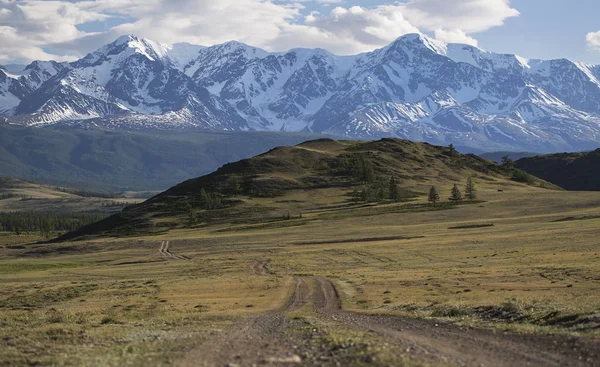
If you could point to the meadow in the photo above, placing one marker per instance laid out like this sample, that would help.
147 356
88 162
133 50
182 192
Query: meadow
523 259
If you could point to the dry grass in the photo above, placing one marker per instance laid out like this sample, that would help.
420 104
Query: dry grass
115 302
19 195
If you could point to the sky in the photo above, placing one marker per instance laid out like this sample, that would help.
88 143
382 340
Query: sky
65 30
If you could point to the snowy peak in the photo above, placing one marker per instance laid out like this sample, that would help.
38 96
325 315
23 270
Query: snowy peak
235 46
415 88
415 41
123 48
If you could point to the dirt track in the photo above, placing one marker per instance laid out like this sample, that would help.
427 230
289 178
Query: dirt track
440 342
263 339
164 251
272 339
260 267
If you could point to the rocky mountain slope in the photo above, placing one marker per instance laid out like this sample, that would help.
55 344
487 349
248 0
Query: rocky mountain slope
416 88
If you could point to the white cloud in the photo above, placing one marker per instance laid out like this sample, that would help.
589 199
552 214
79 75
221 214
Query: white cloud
454 36
355 29
593 40
467 15
28 26
41 28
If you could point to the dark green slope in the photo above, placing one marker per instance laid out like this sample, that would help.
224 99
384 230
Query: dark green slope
229 194
117 160
571 171
497 156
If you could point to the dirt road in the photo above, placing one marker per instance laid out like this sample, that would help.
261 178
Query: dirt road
275 339
259 340
440 342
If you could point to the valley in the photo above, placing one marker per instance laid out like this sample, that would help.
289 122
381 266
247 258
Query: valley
121 161
307 273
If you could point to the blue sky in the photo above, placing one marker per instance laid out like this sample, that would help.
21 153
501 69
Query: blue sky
546 29
67 30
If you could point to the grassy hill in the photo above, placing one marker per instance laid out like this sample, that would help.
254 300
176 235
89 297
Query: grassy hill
115 161
315 180
571 171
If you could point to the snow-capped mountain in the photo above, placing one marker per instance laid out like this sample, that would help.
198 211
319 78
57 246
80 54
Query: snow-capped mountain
415 88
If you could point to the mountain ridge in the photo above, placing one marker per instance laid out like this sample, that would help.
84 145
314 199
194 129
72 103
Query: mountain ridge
416 88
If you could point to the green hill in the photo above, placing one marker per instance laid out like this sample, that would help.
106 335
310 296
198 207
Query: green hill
571 171
339 177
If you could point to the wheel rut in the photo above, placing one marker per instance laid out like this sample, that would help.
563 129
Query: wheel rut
270 339
260 267
258 340
447 343
164 250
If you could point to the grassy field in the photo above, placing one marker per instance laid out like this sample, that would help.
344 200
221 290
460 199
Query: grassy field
22 196
122 302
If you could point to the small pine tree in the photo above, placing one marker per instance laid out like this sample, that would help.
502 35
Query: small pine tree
434 197
455 195
394 191
470 191
235 185
205 199
193 218
381 193
507 162
451 150
366 171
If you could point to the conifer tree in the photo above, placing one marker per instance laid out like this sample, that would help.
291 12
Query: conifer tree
434 197
455 195
381 193
193 218
507 162
366 171
394 191
470 191
451 150
205 199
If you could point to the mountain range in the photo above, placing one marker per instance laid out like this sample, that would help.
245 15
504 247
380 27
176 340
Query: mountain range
415 88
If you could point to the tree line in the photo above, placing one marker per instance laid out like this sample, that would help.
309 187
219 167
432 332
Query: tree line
456 195
45 223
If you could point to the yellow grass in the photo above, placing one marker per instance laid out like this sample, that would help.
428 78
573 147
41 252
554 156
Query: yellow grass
120 301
